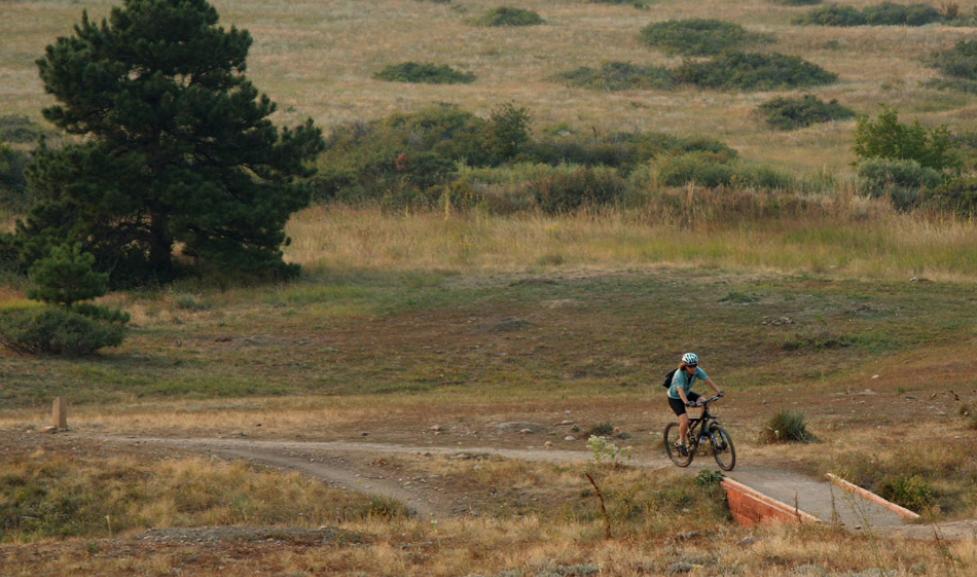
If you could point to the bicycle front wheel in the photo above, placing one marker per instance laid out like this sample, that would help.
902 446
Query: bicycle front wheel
670 436
722 448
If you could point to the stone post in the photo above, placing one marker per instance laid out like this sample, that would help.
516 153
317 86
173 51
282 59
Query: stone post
59 415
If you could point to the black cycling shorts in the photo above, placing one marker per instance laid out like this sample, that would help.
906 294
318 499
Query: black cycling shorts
678 407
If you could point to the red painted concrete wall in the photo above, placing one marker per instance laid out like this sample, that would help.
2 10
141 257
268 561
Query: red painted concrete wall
750 507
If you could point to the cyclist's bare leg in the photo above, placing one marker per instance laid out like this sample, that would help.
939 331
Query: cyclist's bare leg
683 428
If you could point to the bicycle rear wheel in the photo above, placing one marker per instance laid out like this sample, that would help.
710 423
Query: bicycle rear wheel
722 448
670 436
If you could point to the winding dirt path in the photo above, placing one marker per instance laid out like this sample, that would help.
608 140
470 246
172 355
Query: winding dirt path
341 464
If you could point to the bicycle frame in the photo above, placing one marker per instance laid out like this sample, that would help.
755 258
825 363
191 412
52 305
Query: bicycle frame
699 425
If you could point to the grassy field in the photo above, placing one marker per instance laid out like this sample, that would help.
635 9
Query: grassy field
318 59
857 316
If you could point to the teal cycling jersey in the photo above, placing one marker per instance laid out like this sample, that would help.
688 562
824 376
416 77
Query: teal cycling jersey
683 379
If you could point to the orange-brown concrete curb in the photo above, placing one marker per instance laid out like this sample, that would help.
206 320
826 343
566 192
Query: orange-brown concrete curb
750 507
870 496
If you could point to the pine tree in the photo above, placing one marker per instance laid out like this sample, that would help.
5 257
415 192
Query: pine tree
66 277
178 148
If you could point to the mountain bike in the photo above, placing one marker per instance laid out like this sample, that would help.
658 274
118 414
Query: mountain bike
704 430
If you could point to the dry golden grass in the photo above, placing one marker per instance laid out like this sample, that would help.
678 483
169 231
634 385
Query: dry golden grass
883 245
317 59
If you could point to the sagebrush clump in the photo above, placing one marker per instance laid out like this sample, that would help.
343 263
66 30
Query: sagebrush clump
791 113
884 14
699 37
424 73
958 65
751 71
903 181
507 16
613 76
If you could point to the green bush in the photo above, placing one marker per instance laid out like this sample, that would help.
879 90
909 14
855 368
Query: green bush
786 427
910 491
57 331
563 192
424 73
833 15
613 76
886 137
890 14
703 168
19 129
699 37
790 113
745 71
507 132
958 196
902 181
884 14
958 62
635 3
506 16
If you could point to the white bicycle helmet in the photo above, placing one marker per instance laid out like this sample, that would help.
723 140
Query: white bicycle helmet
690 359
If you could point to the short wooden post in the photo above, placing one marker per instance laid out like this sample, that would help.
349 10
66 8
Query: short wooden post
59 414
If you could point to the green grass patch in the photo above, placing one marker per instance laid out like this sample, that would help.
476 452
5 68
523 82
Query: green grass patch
791 113
424 73
612 76
508 16
699 37
751 71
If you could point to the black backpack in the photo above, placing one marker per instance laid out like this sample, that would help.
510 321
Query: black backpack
668 378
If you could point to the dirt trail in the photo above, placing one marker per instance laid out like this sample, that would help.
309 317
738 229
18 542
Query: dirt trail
336 463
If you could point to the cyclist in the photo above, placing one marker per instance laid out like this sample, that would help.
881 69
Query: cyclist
681 396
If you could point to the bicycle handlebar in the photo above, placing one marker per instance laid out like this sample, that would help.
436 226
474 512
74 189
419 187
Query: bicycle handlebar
704 402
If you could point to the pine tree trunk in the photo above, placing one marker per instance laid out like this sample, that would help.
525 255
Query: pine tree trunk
160 247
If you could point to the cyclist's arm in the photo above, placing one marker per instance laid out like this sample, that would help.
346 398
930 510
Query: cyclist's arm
681 393
714 386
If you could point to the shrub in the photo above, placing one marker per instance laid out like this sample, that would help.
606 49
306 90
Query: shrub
886 137
621 76
19 129
507 132
910 491
786 427
790 113
958 196
745 71
703 168
900 180
424 73
699 37
563 192
635 3
889 14
833 15
884 14
958 62
605 429
506 16
52 330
